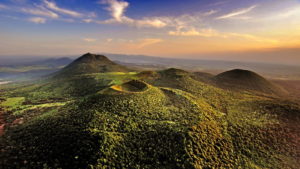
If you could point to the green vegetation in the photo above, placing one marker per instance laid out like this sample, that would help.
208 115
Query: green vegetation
166 119
13 103
23 68
246 80
90 63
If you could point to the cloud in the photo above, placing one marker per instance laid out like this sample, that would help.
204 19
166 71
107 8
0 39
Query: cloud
40 12
237 13
290 12
53 6
3 6
251 37
147 42
37 20
219 3
19 1
89 20
145 22
109 40
92 15
194 32
191 25
211 12
214 33
90 40
117 10
151 22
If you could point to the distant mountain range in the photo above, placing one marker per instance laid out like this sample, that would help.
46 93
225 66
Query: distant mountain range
212 66
150 62
32 69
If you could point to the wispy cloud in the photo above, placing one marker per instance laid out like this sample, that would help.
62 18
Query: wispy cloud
92 15
251 37
47 9
237 12
37 20
151 22
89 39
295 11
147 42
3 6
40 12
209 13
109 40
117 10
214 33
19 1
194 32
219 3
52 5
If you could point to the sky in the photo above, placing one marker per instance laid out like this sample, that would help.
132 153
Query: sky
243 30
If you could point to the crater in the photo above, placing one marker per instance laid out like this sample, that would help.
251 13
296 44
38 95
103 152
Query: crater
131 86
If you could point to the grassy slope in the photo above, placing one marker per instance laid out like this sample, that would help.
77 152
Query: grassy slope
90 63
182 123
248 81
71 87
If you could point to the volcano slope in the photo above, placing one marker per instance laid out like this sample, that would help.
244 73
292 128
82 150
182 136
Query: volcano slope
163 119
91 63
239 79
84 76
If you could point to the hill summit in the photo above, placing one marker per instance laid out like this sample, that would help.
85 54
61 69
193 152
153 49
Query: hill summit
239 79
91 63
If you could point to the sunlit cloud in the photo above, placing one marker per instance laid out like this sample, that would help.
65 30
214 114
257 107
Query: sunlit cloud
89 39
251 38
295 11
194 32
147 42
211 12
117 10
225 35
37 20
219 3
109 40
151 22
48 9
53 6
220 27
89 20
237 13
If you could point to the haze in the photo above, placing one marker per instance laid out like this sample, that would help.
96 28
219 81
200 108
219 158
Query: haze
255 31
